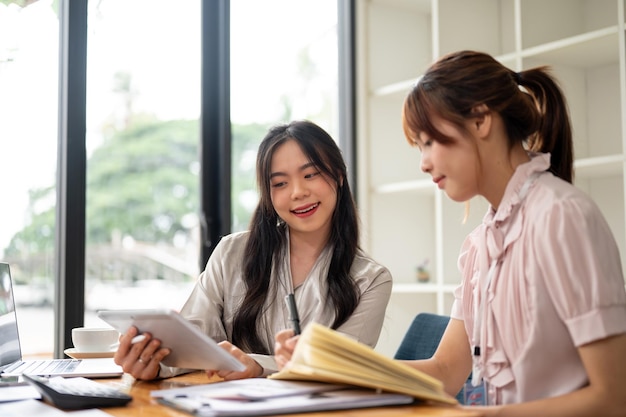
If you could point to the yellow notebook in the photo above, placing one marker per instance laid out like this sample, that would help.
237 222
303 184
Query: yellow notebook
325 355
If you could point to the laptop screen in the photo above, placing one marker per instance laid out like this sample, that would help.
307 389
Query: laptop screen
9 338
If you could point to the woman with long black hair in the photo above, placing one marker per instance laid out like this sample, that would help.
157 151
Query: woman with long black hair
303 240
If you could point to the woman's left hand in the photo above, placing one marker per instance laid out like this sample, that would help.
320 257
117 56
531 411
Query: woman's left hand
284 346
253 369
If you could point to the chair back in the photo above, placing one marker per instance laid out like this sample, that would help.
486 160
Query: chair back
422 338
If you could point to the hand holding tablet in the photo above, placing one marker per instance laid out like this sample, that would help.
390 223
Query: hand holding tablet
190 348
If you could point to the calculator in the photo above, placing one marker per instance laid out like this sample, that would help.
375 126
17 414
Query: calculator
77 392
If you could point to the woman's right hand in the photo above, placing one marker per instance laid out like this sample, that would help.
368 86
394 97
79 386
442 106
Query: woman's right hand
141 359
284 346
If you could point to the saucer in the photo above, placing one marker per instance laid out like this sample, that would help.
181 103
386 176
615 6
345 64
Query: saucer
73 353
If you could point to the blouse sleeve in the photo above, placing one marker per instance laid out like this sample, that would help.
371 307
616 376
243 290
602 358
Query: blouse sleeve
366 321
205 305
580 263
466 266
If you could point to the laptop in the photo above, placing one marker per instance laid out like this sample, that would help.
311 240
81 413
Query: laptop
11 363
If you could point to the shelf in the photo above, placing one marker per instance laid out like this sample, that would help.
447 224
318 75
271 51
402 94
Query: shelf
584 168
597 167
402 88
418 288
591 49
396 88
581 41
425 186
543 22
422 6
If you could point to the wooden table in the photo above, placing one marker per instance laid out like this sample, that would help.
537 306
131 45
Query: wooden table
143 405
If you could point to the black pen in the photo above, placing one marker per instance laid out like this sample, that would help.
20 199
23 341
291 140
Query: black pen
293 313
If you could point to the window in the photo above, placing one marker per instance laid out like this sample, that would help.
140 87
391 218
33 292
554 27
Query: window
283 67
28 128
142 140
143 106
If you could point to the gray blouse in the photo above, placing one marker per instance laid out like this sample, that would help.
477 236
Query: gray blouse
220 290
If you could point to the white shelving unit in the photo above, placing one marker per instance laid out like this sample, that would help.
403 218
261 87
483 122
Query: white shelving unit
406 219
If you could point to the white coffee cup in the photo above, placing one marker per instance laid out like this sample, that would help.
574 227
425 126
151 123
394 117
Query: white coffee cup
94 339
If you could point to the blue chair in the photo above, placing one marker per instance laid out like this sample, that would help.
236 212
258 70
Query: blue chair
422 338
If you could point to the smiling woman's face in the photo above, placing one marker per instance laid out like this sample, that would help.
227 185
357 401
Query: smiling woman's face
301 195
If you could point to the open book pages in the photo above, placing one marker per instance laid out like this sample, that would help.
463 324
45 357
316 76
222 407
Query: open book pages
325 355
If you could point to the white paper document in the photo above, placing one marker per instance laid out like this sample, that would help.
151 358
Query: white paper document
29 408
260 396
18 392
38 408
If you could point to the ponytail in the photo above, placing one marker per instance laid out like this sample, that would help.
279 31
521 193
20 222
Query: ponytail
554 134
530 103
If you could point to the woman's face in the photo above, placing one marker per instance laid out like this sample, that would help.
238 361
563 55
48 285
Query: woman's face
301 195
454 167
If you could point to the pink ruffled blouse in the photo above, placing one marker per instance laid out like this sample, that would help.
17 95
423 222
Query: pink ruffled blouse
556 284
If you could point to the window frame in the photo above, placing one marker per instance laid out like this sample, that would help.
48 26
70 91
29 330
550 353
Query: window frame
215 142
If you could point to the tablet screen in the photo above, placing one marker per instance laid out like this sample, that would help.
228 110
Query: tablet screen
190 348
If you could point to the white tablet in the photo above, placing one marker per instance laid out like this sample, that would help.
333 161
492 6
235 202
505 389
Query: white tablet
190 348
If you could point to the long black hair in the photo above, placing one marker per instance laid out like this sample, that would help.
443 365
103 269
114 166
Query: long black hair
267 239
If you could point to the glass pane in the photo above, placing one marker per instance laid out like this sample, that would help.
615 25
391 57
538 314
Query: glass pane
283 67
143 107
29 38
142 138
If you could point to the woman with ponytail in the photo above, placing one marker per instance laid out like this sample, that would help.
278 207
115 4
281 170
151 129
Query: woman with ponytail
539 318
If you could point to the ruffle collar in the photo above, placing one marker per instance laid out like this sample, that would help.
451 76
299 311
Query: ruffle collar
539 162
499 230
